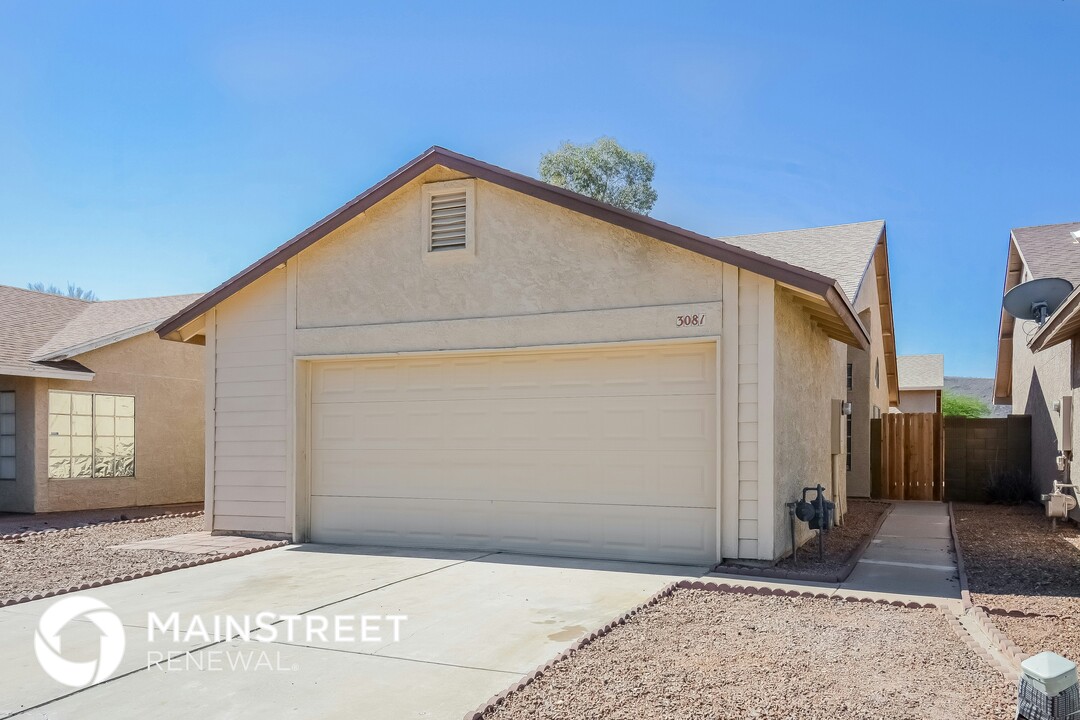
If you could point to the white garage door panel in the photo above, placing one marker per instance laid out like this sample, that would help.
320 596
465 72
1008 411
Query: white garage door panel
621 532
601 452
672 478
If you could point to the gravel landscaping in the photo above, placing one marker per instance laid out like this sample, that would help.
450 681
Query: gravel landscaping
1033 635
700 654
840 542
66 558
1015 562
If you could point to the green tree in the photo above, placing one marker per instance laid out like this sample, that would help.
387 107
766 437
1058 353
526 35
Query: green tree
957 405
603 170
73 291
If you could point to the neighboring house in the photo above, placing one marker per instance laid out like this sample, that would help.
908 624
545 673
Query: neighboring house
96 411
1038 367
981 388
857 256
467 357
922 378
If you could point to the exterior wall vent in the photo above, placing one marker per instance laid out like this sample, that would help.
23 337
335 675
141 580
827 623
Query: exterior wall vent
449 220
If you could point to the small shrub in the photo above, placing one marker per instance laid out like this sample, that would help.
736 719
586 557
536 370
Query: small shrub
1011 487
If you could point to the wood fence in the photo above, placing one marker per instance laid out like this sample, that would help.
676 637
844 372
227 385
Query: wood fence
907 457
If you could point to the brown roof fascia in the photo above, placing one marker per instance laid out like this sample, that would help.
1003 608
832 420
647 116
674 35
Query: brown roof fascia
881 268
694 242
1014 267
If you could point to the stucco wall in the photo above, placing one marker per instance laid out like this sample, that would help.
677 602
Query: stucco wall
919 401
810 374
865 393
18 495
1039 380
166 379
541 276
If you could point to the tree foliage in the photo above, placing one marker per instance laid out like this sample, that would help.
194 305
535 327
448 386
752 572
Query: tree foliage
73 291
603 170
957 405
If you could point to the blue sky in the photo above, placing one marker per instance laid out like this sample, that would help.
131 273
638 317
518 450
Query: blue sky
158 148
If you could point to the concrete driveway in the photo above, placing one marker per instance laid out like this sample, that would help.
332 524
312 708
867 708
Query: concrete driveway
474 623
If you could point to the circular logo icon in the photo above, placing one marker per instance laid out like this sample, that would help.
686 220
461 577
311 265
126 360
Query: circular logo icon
47 641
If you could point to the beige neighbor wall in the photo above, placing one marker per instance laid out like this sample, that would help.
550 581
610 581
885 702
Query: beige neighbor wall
865 394
166 379
1039 380
540 276
919 401
18 495
810 374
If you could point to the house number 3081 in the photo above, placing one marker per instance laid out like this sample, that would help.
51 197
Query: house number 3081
689 320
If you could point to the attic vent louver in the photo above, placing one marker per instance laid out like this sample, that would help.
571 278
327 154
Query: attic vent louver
448 221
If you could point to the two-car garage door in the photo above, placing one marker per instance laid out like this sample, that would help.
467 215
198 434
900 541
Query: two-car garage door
604 452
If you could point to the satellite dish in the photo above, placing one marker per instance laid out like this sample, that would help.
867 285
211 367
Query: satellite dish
1037 299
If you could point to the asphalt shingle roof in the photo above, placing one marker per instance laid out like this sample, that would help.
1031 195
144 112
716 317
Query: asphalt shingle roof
842 252
36 327
1050 250
920 371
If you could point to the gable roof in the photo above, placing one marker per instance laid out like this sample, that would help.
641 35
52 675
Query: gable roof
848 252
921 372
843 252
1050 250
40 333
1046 251
836 315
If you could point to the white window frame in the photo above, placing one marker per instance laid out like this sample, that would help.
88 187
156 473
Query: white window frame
434 190
8 430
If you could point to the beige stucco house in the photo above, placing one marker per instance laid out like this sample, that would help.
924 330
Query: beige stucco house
466 357
857 255
1038 367
922 378
96 411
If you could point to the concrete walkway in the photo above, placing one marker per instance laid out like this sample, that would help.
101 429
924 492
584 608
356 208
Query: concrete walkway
476 622
911 555
910 559
197 543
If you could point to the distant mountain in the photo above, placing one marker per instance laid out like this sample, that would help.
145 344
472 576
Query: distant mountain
982 388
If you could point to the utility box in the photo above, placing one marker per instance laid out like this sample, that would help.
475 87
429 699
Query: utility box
1066 424
1048 688
837 426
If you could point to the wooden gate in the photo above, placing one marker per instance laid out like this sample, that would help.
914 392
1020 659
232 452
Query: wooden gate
911 458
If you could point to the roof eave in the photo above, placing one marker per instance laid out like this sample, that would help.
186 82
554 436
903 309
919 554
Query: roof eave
96 343
801 278
1014 268
40 371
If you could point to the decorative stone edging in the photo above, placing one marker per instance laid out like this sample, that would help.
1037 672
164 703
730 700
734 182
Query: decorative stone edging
530 678
981 613
497 700
1001 641
1021 613
131 521
961 568
1010 670
145 573
838 577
